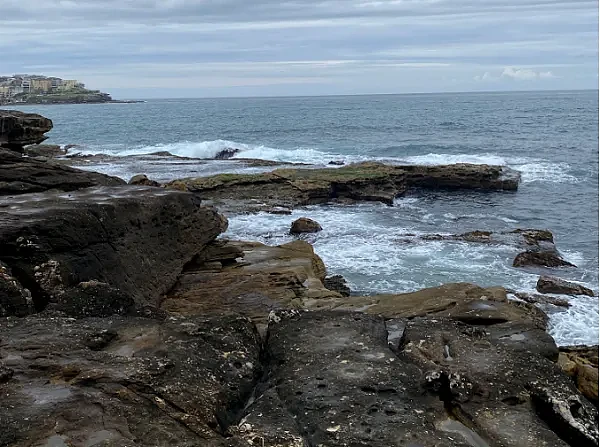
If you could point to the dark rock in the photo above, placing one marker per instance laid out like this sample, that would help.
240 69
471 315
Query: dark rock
551 284
5 374
178 382
487 380
338 284
68 147
336 163
44 150
305 225
162 154
135 239
143 180
226 153
95 299
334 375
581 363
22 175
543 258
18 129
14 298
565 410
542 299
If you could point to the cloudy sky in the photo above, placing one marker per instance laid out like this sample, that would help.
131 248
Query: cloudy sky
192 48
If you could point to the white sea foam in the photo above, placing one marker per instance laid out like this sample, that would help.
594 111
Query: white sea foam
545 172
454 217
531 169
364 243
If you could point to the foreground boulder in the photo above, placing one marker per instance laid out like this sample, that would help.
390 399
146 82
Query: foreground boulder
551 284
305 225
356 182
135 240
509 396
22 175
18 129
125 382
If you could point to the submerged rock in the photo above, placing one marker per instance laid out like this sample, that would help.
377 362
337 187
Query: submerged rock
226 153
551 284
135 239
18 129
305 225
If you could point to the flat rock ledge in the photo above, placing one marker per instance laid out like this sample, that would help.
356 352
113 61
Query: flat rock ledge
356 182
23 175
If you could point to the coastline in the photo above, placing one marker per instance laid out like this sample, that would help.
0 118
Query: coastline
169 333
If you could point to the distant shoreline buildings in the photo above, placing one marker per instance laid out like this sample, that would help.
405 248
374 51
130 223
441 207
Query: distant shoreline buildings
23 84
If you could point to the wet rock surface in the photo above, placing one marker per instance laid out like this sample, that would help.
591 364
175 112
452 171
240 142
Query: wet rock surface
134 239
22 175
44 150
551 284
305 225
18 129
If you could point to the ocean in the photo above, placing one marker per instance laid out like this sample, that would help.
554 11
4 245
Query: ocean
550 137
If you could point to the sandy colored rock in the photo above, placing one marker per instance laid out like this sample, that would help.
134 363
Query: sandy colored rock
252 279
142 179
581 363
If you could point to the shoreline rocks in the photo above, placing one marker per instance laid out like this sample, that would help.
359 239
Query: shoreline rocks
22 175
135 239
550 284
347 184
18 129
305 225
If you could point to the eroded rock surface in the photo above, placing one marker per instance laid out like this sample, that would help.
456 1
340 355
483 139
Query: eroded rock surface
125 381
305 225
134 239
581 363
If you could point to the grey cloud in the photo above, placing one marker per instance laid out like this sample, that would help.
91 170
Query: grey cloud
350 45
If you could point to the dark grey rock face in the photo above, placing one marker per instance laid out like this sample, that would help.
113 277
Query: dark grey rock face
18 129
135 239
124 381
22 175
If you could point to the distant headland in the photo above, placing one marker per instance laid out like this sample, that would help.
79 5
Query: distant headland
39 89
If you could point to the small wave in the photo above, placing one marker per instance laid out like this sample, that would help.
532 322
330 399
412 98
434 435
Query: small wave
454 217
444 159
546 172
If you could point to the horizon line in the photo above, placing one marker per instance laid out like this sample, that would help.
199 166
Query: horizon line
360 94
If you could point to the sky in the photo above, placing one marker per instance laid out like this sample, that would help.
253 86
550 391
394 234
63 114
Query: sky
204 48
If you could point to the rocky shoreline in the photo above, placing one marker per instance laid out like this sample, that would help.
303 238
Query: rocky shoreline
125 320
